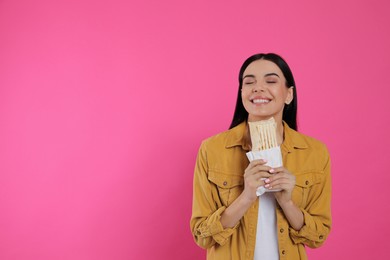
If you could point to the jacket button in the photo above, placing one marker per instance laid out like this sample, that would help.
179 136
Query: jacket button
283 252
281 230
307 182
224 183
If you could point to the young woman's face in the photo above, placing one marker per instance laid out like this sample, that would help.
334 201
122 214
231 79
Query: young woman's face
264 92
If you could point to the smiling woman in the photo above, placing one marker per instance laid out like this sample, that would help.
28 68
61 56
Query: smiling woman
265 91
228 217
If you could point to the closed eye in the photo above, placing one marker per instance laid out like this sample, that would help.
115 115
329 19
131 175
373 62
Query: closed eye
249 79
271 78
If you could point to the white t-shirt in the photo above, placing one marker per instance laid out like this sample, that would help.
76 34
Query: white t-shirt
266 237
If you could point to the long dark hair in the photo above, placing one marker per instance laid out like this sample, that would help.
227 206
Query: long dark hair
289 111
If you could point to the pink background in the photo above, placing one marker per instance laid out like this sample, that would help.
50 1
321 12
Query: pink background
103 105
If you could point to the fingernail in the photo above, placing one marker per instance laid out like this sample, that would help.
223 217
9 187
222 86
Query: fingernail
264 160
267 185
271 171
266 180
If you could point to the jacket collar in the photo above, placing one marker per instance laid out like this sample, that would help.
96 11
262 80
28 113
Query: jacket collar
292 139
236 136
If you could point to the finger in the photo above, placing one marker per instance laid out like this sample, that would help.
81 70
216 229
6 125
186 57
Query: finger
274 180
275 177
281 178
262 169
265 168
257 177
262 176
255 183
260 183
281 170
284 184
285 187
257 162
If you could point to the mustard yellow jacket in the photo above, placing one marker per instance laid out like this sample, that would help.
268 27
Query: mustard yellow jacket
218 181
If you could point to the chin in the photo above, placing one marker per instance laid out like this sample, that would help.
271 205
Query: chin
252 117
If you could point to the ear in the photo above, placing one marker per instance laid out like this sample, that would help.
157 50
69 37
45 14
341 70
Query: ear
290 95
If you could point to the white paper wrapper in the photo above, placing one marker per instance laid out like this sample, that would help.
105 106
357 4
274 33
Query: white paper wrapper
274 159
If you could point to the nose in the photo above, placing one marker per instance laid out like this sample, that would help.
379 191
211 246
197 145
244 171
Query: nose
259 87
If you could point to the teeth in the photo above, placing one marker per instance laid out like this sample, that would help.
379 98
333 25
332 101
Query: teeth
258 101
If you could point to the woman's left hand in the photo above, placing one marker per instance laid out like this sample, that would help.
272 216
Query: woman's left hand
284 180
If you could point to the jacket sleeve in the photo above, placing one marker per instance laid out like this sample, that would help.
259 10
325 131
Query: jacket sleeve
207 208
317 212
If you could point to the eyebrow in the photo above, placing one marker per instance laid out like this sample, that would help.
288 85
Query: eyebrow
248 76
266 75
271 74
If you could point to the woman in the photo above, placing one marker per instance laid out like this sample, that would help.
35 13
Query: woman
228 218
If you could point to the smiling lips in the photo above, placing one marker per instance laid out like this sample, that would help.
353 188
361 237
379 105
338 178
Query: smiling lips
257 100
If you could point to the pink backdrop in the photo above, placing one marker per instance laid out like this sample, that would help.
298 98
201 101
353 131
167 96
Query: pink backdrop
103 105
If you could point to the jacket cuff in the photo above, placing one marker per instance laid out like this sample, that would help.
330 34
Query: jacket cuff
308 234
215 229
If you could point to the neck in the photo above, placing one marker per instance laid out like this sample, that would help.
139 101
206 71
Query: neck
279 132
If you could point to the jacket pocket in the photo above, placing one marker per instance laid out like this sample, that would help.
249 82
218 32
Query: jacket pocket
303 183
229 186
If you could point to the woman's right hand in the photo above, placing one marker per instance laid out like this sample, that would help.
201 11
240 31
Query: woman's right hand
254 173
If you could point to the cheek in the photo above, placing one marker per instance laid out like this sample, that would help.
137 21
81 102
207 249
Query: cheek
244 97
245 93
280 93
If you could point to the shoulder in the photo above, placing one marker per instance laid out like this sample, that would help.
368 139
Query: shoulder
226 139
216 141
312 149
310 152
314 143
212 149
299 140
311 164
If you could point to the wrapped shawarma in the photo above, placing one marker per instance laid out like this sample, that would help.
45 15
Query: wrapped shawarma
265 146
